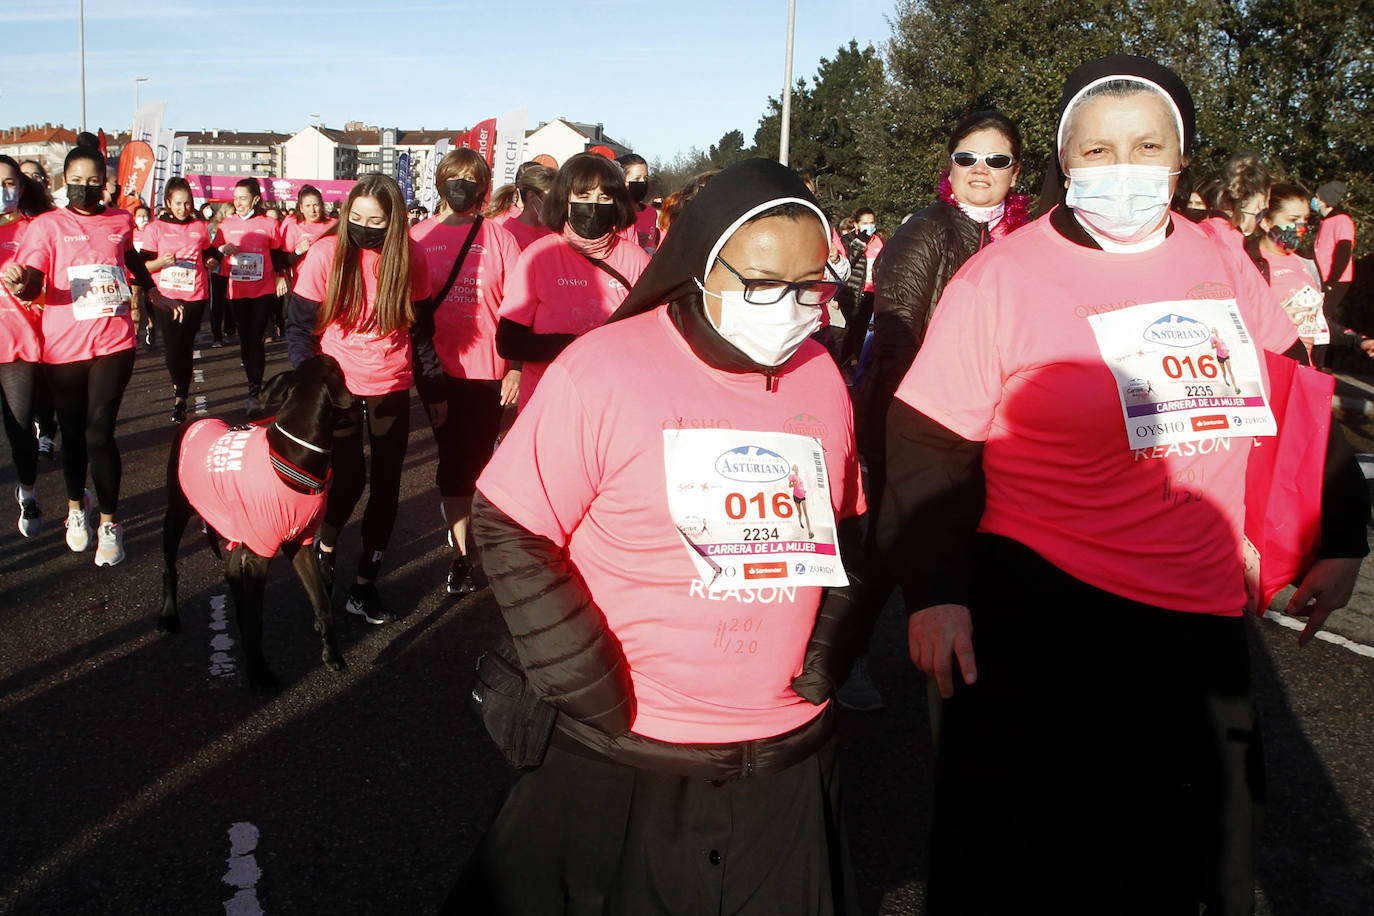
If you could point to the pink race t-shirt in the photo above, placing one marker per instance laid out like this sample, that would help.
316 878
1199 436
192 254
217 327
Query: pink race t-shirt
20 339
524 234
293 232
584 465
1011 359
1334 229
228 478
84 254
372 364
871 252
465 322
555 290
250 270
1290 273
187 279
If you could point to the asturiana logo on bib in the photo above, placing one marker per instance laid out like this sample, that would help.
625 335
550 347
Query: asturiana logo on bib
752 464
1177 331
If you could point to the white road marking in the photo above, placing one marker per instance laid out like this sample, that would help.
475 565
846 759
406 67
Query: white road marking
197 375
1294 623
195 354
202 404
221 661
243 872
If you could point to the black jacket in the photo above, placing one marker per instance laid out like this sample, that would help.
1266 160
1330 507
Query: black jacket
908 279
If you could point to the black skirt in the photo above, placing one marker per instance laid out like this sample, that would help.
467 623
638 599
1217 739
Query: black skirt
1107 760
580 835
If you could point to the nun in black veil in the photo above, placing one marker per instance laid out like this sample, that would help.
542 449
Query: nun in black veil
640 526
1068 518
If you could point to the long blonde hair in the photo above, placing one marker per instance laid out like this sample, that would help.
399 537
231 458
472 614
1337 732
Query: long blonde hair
344 302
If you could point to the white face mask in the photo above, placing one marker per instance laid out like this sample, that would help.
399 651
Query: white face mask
1124 203
767 334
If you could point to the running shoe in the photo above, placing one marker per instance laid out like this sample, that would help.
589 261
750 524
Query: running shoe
45 447
80 527
460 577
859 693
109 550
30 516
364 600
325 561
178 411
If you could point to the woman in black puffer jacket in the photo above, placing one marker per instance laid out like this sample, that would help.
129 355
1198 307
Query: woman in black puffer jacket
976 207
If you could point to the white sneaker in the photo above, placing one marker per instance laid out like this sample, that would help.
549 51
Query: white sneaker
80 527
30 516
110 549
448 529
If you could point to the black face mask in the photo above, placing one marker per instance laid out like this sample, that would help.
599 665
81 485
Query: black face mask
460 193
591 221
85 196
1196 214
638 190
370 237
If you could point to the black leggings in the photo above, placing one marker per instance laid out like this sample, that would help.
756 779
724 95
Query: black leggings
221 322
178 337
466 439
388 427
252 315
87 395
18 385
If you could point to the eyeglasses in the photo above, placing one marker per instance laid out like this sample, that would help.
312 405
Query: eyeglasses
998 161
768 292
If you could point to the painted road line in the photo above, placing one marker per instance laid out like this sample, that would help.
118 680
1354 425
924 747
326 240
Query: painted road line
243 872
197 375
1296 623
221 643
202 404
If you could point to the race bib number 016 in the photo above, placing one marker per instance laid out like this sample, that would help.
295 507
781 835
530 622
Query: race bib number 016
98 291
180 276
1185 371
245 266
753 509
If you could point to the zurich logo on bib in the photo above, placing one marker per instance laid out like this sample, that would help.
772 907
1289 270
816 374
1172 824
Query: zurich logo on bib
752 464
1177 331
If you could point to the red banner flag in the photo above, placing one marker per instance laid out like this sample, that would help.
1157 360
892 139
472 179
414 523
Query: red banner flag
482 138
135 168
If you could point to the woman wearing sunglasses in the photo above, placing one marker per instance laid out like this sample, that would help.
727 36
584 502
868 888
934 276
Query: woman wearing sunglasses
690 761
976 206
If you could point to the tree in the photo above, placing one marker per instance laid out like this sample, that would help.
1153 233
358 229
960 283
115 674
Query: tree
824 142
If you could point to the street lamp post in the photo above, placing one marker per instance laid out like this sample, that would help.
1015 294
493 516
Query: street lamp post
81 29
786 124
137 80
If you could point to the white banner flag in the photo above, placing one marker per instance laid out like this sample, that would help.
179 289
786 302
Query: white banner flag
510 146
429 194
178 157
147 126
162 166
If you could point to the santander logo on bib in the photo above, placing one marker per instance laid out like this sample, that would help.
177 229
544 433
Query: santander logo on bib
752 464
1177 331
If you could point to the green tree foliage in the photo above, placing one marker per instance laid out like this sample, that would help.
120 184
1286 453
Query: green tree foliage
824 140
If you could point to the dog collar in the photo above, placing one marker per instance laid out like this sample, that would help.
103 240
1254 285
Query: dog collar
301 442
288 471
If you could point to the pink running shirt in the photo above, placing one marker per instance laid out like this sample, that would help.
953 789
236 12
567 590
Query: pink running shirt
72 249
555 290
372 365
465 322
228 477
256 238
1334 229
19 326
1011 360
187 280
584 467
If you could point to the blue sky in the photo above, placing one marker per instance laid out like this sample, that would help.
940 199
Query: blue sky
662 75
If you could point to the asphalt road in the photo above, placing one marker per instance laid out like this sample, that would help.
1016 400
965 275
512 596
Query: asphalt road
140 776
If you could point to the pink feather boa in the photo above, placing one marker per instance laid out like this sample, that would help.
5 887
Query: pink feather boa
1015 215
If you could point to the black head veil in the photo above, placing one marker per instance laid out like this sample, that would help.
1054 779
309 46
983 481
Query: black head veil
743 190
1115 66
